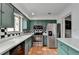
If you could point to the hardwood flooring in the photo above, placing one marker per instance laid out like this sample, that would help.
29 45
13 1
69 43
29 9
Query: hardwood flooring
42 51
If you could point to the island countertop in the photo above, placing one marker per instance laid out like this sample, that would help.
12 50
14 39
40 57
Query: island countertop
72 42
9 43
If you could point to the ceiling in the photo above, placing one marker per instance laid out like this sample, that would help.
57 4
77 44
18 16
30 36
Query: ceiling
41 10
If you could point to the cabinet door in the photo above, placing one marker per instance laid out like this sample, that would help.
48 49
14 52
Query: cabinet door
45 40
24 23
73 51
30 43
0 14
61 52
62 49
7 15
26 47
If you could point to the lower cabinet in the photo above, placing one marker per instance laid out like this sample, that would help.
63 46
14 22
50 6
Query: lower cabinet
28 45
45 40
73 52
18 50
21 49
64 49
26 48
61 52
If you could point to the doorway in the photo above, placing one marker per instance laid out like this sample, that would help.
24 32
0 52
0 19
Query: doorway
68 24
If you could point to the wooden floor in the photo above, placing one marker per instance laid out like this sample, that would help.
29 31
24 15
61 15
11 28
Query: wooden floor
42 51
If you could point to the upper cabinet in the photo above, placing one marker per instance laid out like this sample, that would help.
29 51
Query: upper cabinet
24 23
0 14
7 15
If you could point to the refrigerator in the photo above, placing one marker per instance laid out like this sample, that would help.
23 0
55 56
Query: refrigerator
51 35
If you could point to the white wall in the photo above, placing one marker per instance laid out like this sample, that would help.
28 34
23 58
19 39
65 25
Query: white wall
75 21
72 9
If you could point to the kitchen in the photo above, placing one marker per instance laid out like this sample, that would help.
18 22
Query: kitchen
39 29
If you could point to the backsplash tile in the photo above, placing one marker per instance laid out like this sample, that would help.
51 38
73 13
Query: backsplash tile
5 34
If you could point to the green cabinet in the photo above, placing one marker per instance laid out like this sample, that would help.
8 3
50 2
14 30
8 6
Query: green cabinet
7 15
64 49
61 52
28 45
0 14
44 40
24 23
73 52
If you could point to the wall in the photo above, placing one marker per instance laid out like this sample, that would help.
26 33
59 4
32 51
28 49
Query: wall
40 22
73 10
75 20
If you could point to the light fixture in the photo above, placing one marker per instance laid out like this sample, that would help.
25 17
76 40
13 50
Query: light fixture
33 13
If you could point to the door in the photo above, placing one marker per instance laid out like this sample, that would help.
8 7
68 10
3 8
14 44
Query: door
7 15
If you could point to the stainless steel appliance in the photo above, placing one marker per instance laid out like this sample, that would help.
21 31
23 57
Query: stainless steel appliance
38 36
51 37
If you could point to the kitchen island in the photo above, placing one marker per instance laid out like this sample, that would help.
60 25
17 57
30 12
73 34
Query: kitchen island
68 46
9 43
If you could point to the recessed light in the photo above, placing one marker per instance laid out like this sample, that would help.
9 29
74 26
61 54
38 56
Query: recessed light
33 13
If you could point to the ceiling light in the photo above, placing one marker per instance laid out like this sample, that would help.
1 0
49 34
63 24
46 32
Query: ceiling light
33 13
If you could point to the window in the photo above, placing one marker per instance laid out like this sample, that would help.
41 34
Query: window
17 24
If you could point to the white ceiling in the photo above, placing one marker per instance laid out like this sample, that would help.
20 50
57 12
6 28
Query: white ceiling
41 10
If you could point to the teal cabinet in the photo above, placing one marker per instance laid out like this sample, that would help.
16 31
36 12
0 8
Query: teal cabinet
61 52
28 45
28 24
7 15
24 23
64 49
73 52
0 14
45 40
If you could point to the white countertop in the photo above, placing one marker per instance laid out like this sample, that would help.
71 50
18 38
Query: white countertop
9 43
73 43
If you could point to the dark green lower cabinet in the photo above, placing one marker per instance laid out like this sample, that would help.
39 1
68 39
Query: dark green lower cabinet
64 49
